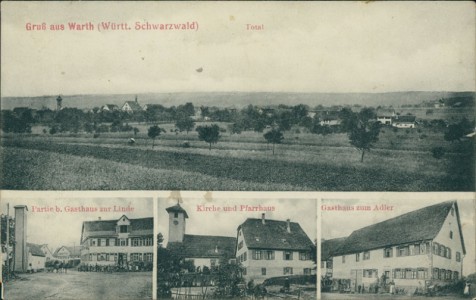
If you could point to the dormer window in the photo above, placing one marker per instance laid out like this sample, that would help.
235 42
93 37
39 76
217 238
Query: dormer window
123 229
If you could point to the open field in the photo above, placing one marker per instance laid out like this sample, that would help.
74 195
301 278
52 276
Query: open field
79 285
401 161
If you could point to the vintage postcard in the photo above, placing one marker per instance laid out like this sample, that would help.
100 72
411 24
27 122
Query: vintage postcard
270 96
73 247
398 245
241 246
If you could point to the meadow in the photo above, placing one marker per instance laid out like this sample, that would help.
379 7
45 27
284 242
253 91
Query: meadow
400 161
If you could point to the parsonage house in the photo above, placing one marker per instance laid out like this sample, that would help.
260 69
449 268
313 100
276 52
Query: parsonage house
265 248
204 250
117 242
414 250
271 248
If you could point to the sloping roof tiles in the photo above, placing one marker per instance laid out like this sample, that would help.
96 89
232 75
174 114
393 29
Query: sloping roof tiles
204 246
274 235
419 225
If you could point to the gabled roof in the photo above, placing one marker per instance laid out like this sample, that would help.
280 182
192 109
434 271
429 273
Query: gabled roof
274 235
329 247
133 105
73 251
111 106
204 246
177 208
35 249
409 119
419 225
100 228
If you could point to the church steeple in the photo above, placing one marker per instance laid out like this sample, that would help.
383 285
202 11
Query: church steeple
177 216
59 101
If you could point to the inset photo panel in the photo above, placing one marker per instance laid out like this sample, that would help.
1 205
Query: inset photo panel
399 244
63 247
237 245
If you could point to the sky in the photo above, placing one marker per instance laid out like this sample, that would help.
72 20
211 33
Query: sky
403 203
303 47
300 210
64 228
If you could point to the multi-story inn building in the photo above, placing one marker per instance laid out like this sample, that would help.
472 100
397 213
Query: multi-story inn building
271 248
413 250
117 242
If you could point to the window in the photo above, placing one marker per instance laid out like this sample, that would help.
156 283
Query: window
176 215
148 257
366 255
269 255
92 242
245 256
357 257
257 255
107 242
455 275
422 273
435 248
288 255
263 271
123 242
451 234
148 242
416 249
409 273
387 252
343 259
307 271
99 242
288 271
112 242
304 256
458 256
240 245
398 274
436 273
448 253
136 256
402 251
101 256
123 229
442 251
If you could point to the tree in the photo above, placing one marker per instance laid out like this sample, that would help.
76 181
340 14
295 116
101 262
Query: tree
456 131
364 131
154 131
274 136
209 134
185 123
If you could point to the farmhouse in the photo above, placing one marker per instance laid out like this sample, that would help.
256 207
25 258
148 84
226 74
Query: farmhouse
404 121
132 106
46 250
271 248
413 250
118 242
204 250
36 258
65 253
328 247
385 116
110 107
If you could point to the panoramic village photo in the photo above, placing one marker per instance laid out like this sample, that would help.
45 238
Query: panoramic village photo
241 248
254 98
411 247
77 248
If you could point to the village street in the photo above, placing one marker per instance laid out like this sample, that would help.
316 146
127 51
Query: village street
81 285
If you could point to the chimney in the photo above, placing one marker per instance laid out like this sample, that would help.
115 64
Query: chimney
288 226
99 218
263 220
21 251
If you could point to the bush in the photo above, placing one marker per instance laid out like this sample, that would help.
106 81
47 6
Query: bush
438 152
186 145
96 135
